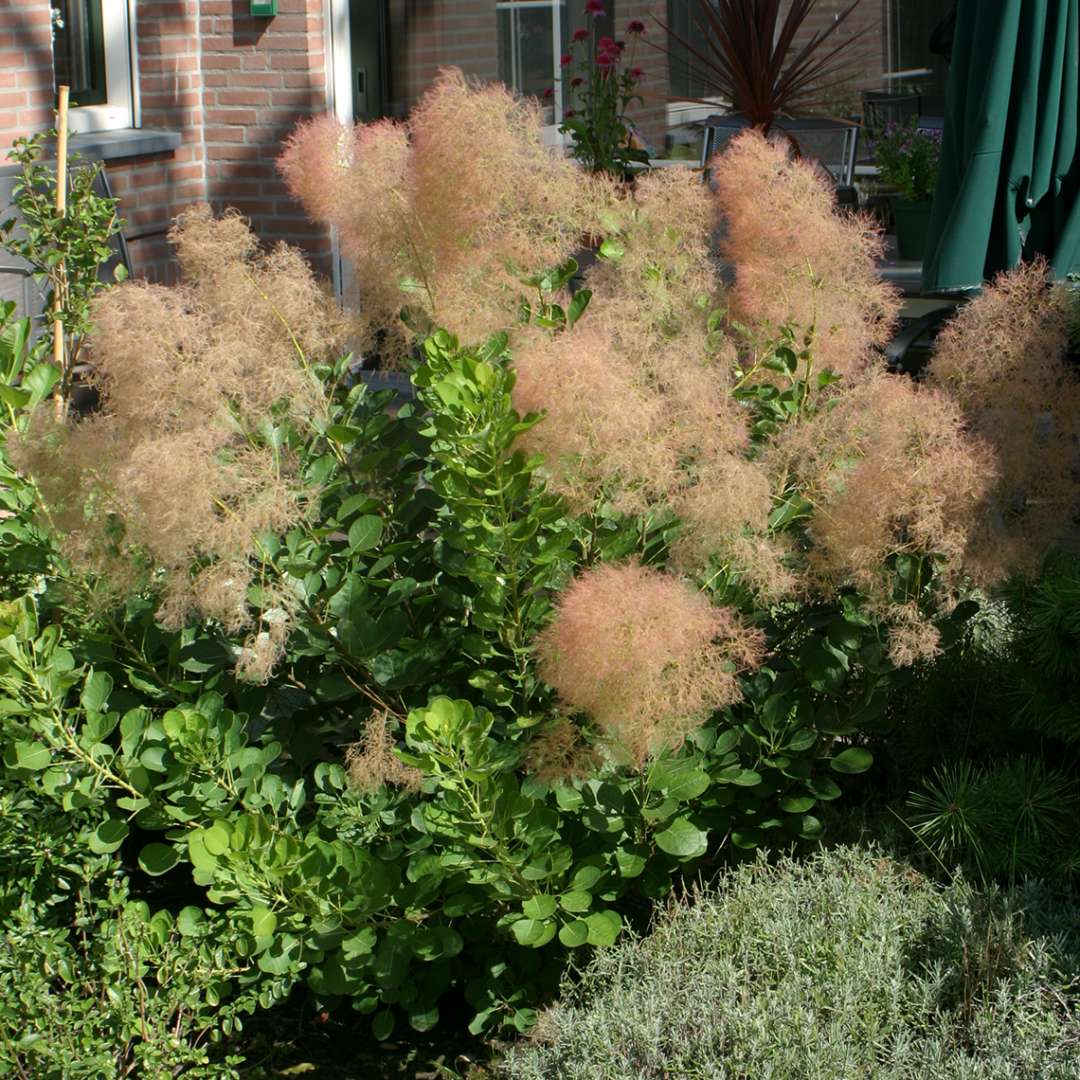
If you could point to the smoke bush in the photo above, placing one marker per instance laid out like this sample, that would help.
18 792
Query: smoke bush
797 261
170 485
444 213
1003 359
645 655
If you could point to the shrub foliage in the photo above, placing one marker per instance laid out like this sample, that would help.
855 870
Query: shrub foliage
409 700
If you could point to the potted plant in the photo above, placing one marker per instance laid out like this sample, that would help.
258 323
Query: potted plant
600 80
907 159
744 52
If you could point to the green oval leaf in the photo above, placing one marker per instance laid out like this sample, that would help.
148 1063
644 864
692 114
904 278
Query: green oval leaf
157 859
577 900
604 927
216 838
365 532
33 756
382 1025
539 907
574 934
533 933
95 695
683 840
263 922
108 836
855 759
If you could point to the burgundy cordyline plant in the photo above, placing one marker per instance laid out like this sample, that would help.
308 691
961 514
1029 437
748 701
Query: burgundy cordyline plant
743 51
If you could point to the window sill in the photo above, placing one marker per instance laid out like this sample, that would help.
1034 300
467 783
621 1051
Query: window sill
124 143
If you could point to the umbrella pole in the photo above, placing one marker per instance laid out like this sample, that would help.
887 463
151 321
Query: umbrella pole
60 281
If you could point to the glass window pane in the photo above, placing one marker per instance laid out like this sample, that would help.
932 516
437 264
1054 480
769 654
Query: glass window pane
79 50
526 47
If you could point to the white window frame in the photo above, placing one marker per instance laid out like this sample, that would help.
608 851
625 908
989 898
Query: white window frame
121 107
552 135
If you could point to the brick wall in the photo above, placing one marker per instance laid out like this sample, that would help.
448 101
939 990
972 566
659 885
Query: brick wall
259 77
25 68
153 190
231 85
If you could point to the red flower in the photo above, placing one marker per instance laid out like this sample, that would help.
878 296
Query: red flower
637 74
620 45
605 44
548 94
580 35
594 7
606 61
636 27
569 113
576 81
565 60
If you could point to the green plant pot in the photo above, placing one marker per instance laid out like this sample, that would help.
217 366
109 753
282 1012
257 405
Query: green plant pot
912 220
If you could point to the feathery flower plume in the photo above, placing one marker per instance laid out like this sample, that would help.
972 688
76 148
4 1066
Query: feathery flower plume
447 212
638 399
372 763
797 260
890 469
170 485
645 655
1003 357
558 754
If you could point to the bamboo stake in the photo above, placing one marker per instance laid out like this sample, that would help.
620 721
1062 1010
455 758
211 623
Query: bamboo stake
61 209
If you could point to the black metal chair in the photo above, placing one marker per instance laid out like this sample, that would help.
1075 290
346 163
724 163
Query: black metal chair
882 107
831 143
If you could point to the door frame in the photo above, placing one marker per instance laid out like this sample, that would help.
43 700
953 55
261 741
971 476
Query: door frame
339 103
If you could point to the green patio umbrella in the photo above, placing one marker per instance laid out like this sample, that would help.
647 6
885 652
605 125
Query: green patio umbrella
1009 186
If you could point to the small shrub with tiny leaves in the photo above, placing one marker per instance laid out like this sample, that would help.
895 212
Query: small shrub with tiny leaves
847 965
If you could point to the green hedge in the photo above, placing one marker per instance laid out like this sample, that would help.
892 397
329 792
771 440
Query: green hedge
849 965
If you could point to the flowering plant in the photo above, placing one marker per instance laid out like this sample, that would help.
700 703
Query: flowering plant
603 88
907 157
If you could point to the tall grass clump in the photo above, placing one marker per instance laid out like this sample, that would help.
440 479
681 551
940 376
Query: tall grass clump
849 965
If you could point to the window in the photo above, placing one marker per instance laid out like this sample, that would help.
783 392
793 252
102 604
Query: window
92 53
532 37
917 65
685 78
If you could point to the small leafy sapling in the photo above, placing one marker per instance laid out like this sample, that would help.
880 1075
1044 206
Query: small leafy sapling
66 249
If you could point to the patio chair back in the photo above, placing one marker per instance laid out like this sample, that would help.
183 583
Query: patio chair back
881 108
831 143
